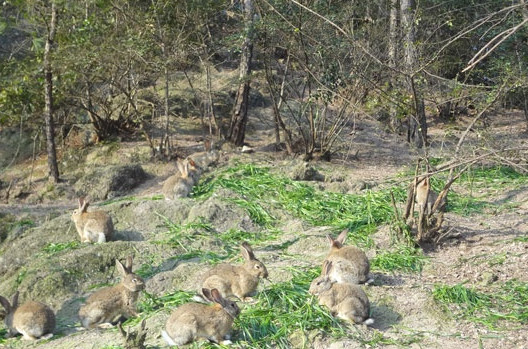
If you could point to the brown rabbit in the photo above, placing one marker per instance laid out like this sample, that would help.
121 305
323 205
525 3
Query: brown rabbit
350 264
180 184
107 305
33 320
96 226
426 196
240 281
345 300
193 320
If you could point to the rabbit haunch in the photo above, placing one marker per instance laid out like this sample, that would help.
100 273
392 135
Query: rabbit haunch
192 321
96 226
33 320
345 300
240 281
110 303
350 264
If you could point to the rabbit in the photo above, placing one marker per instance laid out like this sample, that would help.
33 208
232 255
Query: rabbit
33 320
424 195
345 300
96 226
239 281
208 157
193 320
107 305
350 264
180 184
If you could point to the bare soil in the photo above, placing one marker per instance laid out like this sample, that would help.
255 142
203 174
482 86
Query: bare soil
402 305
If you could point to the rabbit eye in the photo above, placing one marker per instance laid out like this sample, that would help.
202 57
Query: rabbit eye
257 266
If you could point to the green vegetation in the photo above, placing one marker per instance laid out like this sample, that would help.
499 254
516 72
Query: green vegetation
54 248
407 259
261 192
508 303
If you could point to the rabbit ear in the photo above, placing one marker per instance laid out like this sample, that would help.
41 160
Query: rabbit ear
217 297
182 167
128 265
342 236
83 205
247 252
120 268
207 294
327 265
333 243
5 304
14 301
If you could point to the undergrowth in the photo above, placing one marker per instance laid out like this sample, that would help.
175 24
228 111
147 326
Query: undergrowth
496 309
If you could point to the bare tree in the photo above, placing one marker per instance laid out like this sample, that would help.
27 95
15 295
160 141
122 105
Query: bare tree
417 127
239 117
48 109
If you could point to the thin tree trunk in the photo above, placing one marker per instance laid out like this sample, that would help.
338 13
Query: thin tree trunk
393 32
48 109
237 129
417 127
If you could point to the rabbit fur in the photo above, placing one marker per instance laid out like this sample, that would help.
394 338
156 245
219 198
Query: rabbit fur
345 300
191 321
33 320
424 195
208 157
240 281
107 305
350 264
96 226
180 185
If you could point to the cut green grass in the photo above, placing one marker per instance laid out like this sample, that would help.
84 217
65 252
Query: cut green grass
54 248
256 186
496 310
406 259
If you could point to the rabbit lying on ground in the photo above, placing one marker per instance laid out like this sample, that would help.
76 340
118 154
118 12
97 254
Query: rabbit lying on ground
33 320
107 305
191 321
240 281
345 300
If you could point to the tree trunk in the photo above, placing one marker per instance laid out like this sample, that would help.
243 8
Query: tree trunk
417 126
48 109
393 33
237 129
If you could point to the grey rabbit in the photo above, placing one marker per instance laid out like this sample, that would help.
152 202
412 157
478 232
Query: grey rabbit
95 226
107 305
191 321
34 320
180 185
350 264
345 300
240 281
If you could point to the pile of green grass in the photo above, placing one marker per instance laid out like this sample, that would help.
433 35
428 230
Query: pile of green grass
260 192
508 303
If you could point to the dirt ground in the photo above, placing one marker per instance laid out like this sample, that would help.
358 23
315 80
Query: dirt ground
402 306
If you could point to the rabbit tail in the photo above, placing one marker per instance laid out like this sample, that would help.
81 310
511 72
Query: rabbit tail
167 338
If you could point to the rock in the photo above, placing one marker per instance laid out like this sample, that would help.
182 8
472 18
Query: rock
109 182
305 172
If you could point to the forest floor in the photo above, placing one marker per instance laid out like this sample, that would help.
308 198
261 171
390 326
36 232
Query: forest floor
468 291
